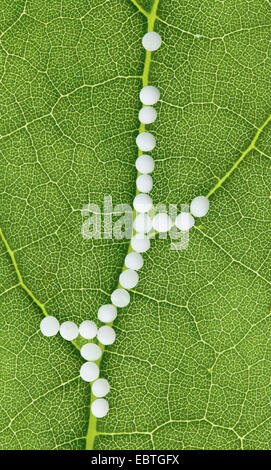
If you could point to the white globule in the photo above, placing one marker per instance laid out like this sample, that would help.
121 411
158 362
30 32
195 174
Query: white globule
145 141
88 329
128 279
147 115
184 221
120 298
151 41
134 261
69 330
162 222
145 164
89 371
100 407
91 352
144 183
106 335
199 206
149 95
142 223
100 388
140 243
49 326
107 313
142 203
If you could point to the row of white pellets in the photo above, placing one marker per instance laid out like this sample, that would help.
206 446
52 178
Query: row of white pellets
91 352
140 243
50 326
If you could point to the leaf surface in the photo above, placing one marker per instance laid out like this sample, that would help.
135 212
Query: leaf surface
190 368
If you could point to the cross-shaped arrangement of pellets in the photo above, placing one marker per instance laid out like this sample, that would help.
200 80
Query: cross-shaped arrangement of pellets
140 243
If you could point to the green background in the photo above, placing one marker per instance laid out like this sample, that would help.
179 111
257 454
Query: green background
190 368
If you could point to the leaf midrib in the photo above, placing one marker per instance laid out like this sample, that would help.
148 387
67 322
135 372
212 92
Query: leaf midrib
92 426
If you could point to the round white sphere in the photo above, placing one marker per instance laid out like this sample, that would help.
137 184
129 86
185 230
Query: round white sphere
144 183
149 95
151 41
199 206
100 388
106 335
107 313
145 164
134 261
140 243
184 221
120 297
89 371
88 329
142 203
91 352
128 279
161 222
49 326
147 115
69 330
145 141
99 407
142 223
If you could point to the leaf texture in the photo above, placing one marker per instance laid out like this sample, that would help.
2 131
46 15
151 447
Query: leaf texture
190 368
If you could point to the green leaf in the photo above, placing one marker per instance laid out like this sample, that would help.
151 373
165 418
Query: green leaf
190 368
